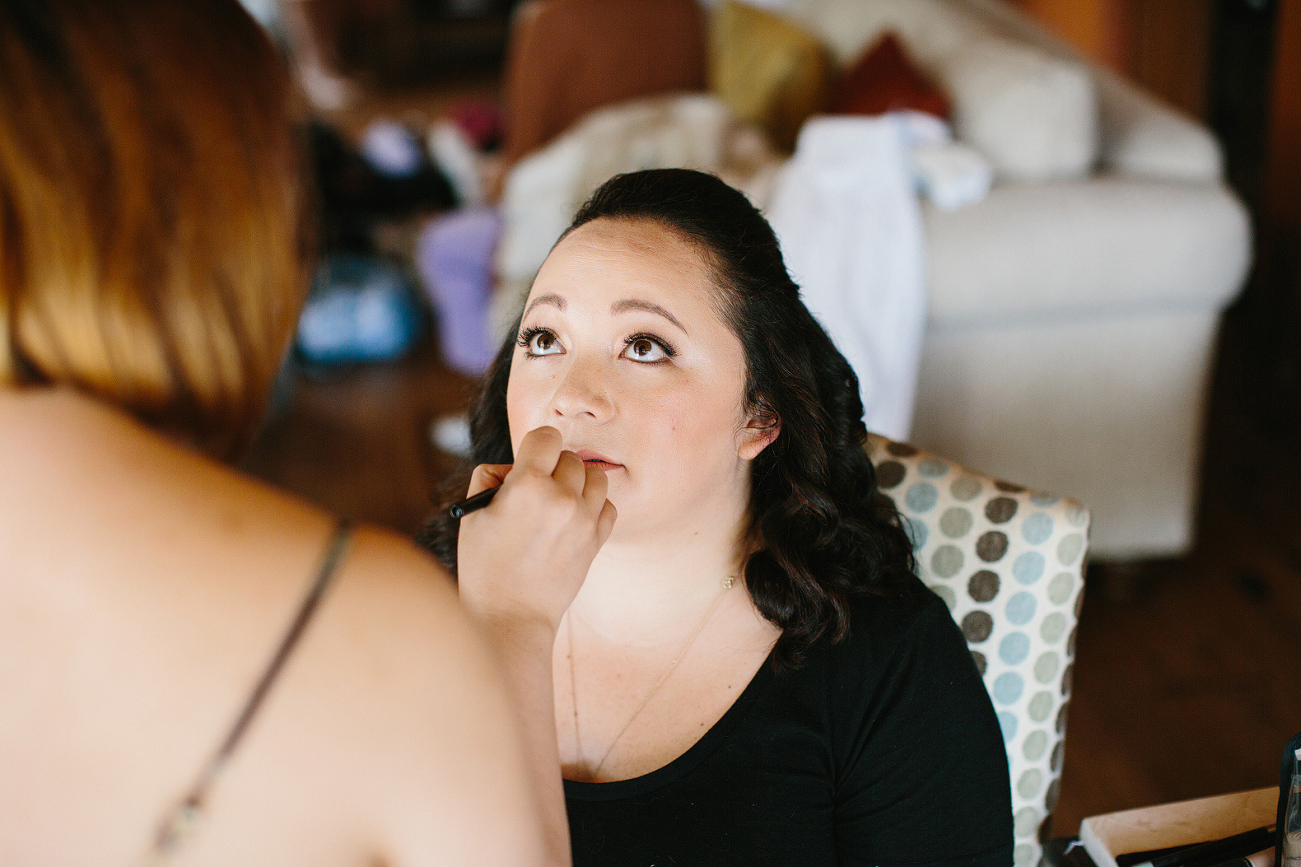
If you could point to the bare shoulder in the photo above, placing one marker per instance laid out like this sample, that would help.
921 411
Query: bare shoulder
411 670
395 598
391 688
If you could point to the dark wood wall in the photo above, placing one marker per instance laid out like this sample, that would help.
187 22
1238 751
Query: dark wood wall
1282 204
1162 44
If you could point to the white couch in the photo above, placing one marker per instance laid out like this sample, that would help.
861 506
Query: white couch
1073 311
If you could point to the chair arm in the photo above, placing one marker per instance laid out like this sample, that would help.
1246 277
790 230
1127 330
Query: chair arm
1143 137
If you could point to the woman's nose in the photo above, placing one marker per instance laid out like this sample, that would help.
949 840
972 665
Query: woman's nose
583 391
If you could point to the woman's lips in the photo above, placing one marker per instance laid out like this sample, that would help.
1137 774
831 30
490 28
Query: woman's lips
596 459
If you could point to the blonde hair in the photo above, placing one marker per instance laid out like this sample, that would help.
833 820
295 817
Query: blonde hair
152 240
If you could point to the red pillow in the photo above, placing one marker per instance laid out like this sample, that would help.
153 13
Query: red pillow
883 80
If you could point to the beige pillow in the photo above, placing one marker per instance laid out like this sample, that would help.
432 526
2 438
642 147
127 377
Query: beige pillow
771 72
1033 115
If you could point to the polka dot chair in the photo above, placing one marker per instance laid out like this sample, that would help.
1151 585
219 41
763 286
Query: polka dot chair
1009 563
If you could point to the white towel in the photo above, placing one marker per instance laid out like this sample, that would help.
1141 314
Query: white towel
952 175
846 214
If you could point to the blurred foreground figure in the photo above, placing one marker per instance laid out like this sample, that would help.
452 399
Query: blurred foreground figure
194 666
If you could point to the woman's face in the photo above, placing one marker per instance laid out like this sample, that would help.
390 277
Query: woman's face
622 348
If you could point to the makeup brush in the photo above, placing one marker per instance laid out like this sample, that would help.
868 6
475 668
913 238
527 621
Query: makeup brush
472 504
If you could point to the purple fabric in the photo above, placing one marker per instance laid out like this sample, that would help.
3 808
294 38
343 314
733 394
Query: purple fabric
454 258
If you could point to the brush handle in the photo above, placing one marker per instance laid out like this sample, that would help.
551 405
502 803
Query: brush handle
472 504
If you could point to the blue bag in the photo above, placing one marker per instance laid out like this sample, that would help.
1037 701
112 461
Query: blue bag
361 309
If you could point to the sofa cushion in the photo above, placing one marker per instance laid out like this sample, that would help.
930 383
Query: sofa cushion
1095 247
885 79
1139 135
1033 114
771 71
1035 117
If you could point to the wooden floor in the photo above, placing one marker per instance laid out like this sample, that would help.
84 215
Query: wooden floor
356 439
1188 673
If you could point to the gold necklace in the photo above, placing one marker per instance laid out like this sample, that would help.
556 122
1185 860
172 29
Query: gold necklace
573 683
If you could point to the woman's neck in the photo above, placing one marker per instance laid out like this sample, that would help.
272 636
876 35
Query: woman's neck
643 590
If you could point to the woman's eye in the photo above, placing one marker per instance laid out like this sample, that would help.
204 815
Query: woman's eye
540 342
645 349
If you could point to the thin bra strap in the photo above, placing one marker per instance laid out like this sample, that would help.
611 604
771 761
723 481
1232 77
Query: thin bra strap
181 820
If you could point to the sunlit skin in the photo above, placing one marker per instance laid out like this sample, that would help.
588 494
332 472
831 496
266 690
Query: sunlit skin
624 351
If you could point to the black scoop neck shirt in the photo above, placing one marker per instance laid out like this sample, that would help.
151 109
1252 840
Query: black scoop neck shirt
881 749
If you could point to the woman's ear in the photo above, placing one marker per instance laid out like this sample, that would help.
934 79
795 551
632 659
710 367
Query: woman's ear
758 434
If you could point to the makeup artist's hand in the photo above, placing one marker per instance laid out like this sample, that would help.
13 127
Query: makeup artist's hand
520 561
525 556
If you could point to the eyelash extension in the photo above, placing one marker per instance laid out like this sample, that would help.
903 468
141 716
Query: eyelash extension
659 341
526 336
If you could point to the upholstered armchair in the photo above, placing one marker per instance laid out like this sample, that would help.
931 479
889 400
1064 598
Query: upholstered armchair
1009 563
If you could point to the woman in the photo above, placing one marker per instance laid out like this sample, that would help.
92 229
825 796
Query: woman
193 665
749 672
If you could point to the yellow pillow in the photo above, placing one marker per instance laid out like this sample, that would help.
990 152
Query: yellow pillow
770 71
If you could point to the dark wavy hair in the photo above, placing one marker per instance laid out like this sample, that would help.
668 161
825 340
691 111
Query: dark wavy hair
819 532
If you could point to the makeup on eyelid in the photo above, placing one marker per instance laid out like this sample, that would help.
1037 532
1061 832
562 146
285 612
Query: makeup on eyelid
528 335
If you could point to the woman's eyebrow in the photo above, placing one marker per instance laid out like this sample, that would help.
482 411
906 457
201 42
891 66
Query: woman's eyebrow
546 298
634 304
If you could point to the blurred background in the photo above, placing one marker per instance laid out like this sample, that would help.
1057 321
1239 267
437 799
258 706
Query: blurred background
1187 678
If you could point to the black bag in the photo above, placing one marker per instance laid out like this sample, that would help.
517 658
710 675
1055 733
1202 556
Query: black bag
1285 769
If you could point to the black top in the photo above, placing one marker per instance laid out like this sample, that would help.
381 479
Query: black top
882 749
